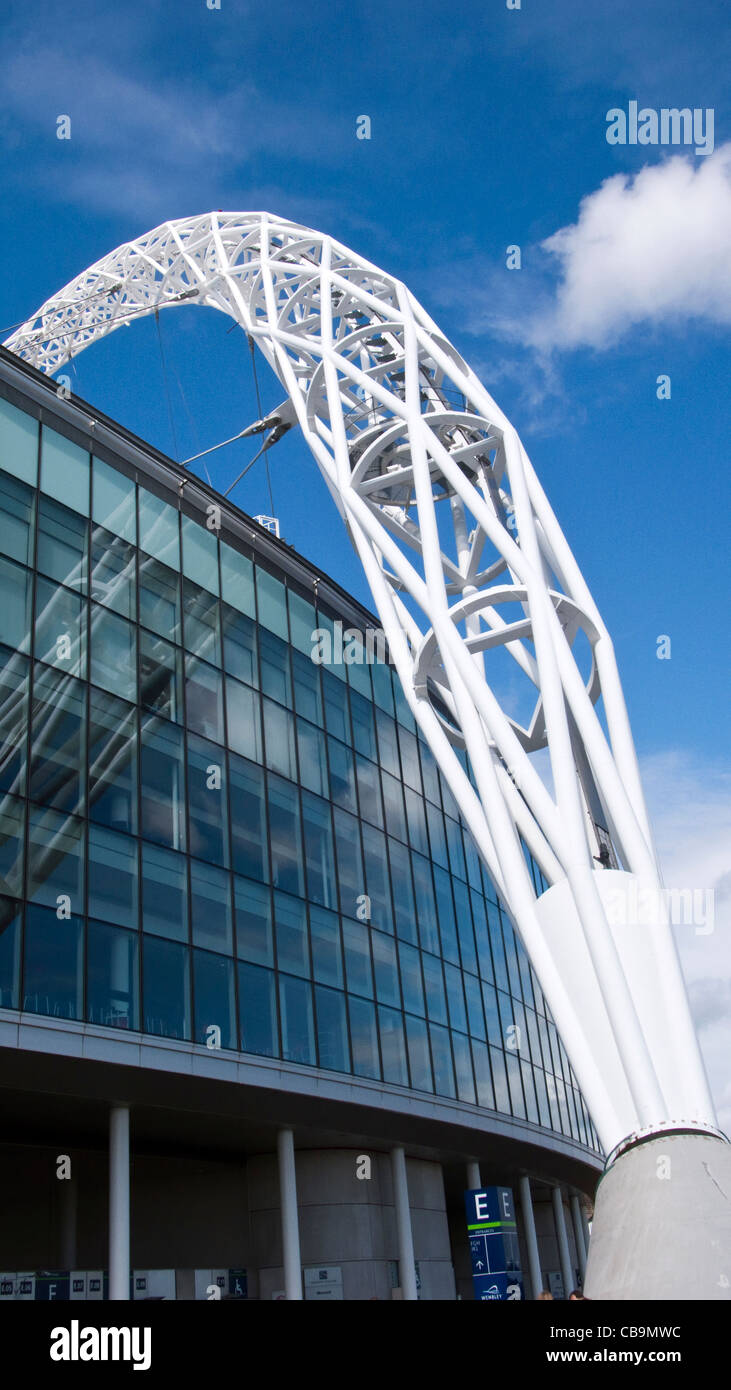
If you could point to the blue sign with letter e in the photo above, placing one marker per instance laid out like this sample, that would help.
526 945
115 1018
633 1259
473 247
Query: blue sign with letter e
493 1238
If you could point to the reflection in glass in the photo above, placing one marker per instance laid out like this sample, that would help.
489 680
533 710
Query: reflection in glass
18 443
293 954
243 720
298 1030
332 1032
162 782
272 603
248 819
342 776
64 470
53 964
411 982
319 853
60 636
336 707
55 860
463 1067
275 678
377 877
159 529
164 893
285 837
112 977
62 544
207 816
113 572
112 762
425 907
385 967
483 1077
403 895
201 624
312 761
210 907
204 698
253 910
364 731
58 744
237 580
279 740
436 1000
442 1058
159 589
417 1040
213 984
10 920
357 949
113 883
113 653
16 519
307 692
350 863
166 984
393 1048
113 501
364 1038
200 554
257 1011
160 676
239 646
327 960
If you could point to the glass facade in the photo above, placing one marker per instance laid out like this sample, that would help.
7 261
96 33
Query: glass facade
205 835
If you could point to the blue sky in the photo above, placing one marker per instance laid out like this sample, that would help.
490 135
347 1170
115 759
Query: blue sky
488 130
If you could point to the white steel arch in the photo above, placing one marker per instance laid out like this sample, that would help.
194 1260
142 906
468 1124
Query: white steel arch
464 557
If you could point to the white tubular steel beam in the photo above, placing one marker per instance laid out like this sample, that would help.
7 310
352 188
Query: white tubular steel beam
471 576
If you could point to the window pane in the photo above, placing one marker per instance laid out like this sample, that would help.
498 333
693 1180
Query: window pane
53 964
386 970
248 819
113 572
112 877
364 1038
113 654
330 646
483 1078
482 936
58 743
425 906
166 984
16 519
403 896
160 676
112 977
456 848
312 761
411 979
364 730
332 1033
60 638
436 1001
279 740
293 954
64 471
10 920
357 958
15 585
159 529
210 907
502 1098
416 820
12 824
298 1031
307 691
463 1067
475 1015
257 1011
239 646
113 501
213 984
253 908
419 1059
455 998
14 686
447 924
159 589
112 762
163 784
237 580
430 773
377 878
442 1057
516 1089
393 798
319 851
18 443
342 775
336 707
350 864
55 860
382 691
201 624
272 603
327 962
204 698
275 678
492 1015
393 1048
302 623
388 745
200 555
286 839
409 758
62 544
207 816
242 714
164 893
369 791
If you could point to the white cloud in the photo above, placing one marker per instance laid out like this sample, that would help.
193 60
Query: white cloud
690 805
650 249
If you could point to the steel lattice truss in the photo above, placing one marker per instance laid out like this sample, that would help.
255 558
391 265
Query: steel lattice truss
464 558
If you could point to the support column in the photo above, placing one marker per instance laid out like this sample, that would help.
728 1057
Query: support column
531 1241
290 1220
407 1270
578 1234
563 1243
119 1256
473 1175
69 1198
